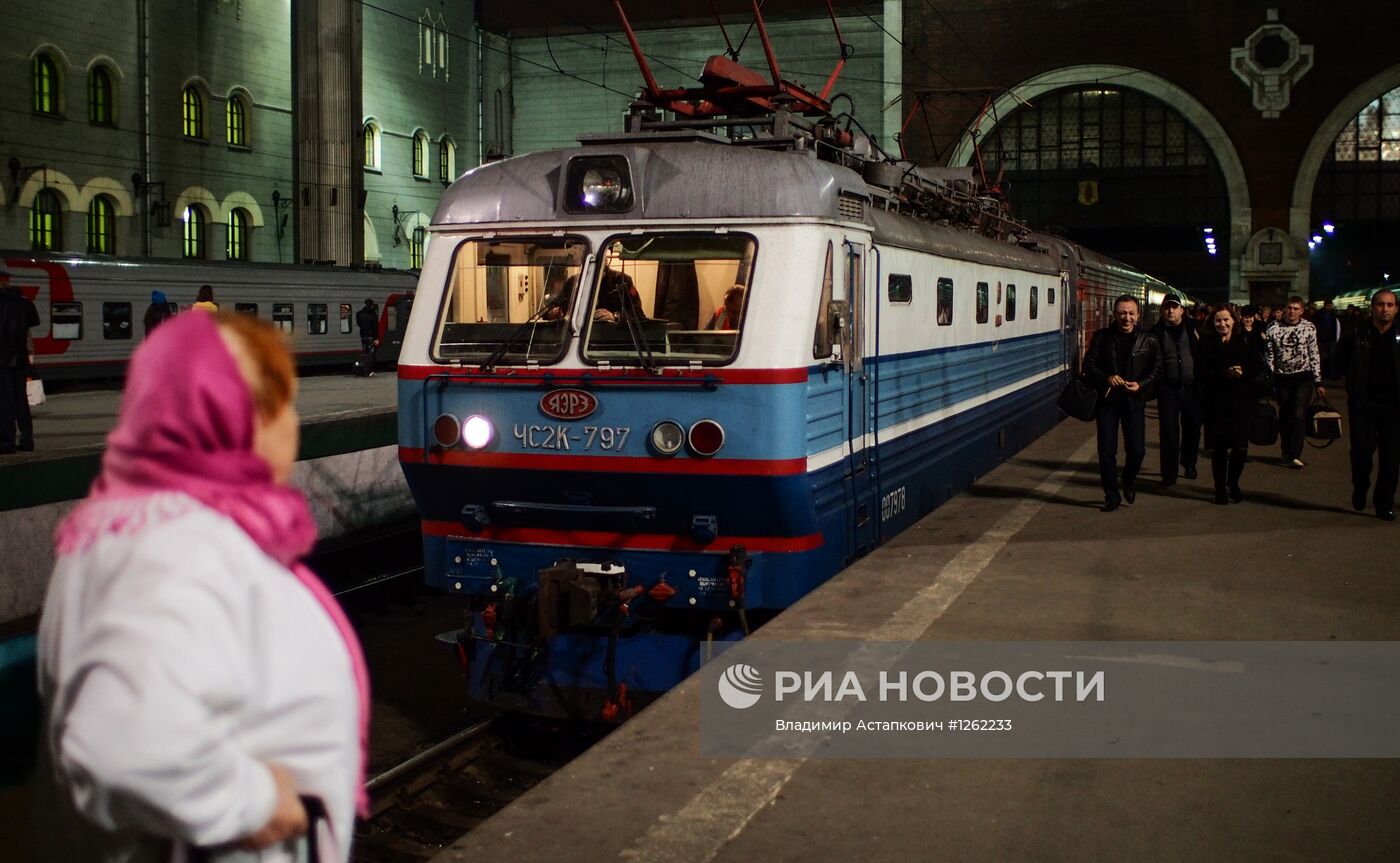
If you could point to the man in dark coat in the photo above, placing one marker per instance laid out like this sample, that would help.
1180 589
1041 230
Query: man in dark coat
17 315
1125 362
367 319
1370 359
1178 397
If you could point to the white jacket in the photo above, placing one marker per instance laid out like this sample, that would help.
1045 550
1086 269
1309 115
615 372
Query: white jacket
175 661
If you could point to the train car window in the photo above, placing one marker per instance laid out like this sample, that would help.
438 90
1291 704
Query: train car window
669 298
509 300
1035 302
246 309
116 320
391 319
1011 302
316 315
66 321
347 319
821 341
283 317
984 302
901 289
945 302
1050 295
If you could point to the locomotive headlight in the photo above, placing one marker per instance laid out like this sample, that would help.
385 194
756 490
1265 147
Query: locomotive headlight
477 431
598 184
706 437
447 430
667 438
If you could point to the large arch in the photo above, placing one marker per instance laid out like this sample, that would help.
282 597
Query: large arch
1236 184
1300 212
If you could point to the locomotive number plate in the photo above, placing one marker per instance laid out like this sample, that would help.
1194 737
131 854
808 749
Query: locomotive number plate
568 438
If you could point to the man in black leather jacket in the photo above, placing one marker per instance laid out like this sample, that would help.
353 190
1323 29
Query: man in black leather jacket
1124 362
1178 398
1370 359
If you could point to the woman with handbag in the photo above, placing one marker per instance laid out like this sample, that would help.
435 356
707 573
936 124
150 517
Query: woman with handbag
204 696
1228 368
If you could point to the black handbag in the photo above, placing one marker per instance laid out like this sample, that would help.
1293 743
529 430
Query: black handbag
1079 400
1324 421
1263 425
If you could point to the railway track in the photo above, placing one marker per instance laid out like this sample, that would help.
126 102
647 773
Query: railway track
427 802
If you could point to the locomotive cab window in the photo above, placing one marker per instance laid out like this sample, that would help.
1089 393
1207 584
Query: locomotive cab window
669 298
984 302
66 321
945 302
116 320
509 300
901 289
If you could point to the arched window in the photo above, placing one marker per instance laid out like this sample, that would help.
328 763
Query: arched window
194 112
100 96
46 222
415 248
237 115
420 154
371 145
47 85
238 224
101 226
196 231
447 160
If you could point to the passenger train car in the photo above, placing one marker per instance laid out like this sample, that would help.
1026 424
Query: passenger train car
662 385
91 309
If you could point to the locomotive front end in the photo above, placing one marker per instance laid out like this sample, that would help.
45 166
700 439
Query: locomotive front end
609 488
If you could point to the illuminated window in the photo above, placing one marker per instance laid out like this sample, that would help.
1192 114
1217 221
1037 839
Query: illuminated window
1374 134
447 160
46 222
237 116
100 96
101 226
420 155
415 248
47 85
238 222
371 145
194 113
195 231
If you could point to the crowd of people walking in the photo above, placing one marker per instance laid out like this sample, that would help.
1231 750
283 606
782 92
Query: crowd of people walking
1211 369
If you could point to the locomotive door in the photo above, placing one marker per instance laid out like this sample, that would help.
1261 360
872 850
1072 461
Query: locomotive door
860 458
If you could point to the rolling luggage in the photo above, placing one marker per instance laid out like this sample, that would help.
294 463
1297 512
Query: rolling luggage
364 365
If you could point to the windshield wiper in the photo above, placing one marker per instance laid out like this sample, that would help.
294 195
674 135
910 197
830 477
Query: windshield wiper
634 331
489 364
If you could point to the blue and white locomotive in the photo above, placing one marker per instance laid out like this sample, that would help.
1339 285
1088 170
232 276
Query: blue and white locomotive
660 386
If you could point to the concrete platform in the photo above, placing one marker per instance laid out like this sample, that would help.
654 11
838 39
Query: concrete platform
1024 555
348 467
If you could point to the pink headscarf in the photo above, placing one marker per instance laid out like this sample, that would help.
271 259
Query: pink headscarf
186 425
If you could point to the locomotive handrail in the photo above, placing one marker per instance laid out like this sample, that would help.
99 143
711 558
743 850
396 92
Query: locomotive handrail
520 507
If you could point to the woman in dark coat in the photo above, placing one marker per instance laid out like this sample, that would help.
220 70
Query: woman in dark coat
1227 367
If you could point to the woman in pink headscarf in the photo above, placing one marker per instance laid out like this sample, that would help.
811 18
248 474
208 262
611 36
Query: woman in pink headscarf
204 696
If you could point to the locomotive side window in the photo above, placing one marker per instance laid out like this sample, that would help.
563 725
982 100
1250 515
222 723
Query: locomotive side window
984 295
945 302
246 309
901 289
116 320
316 314
66 321
346 319
669 298
1011 302
283 317
508 300
1035 302
821 341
